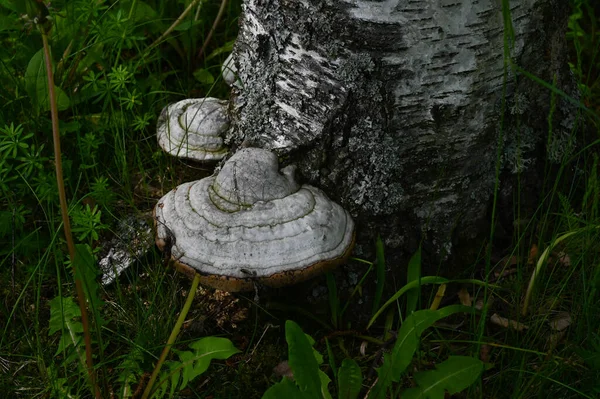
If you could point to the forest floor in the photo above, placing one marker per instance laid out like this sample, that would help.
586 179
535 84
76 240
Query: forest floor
532 325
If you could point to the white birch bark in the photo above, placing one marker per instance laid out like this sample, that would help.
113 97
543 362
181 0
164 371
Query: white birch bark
393 107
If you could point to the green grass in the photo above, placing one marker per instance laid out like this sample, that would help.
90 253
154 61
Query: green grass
116 65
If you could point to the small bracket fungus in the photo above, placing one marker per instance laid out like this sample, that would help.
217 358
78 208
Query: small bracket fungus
229 71
193 129
252 224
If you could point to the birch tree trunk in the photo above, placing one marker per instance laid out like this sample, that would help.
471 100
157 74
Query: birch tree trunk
394 108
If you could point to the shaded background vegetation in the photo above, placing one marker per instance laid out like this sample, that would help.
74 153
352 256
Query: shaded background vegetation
116 65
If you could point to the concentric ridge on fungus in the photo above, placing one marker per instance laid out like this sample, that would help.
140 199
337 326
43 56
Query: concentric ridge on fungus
193 129
252 223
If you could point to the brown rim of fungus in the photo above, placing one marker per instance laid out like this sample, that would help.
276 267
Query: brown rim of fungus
277 280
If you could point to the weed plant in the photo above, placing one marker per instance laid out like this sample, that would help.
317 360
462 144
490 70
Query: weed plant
115 65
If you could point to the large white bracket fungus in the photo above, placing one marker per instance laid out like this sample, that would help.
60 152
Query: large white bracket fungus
252 224
193 129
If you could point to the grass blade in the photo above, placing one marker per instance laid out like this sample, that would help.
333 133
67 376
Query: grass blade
380 270
413 274
403 290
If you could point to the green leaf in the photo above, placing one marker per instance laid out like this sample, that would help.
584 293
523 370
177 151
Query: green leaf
325 380
349 380
384 380
406 344
205 350
8 22
86 270
454 375
12 5
406 288
35 71
62 313
302 361
203 76
64 317
331 358
305 368
187 25
194 363
411 330
143 12
36 85
413 274
130 371
380 269
284 389
316 353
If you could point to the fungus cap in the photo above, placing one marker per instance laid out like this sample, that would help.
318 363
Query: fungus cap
229 70
250 224
193 129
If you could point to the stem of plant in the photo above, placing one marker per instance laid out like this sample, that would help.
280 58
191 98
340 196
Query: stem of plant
173 26
173 336
212 29
65 215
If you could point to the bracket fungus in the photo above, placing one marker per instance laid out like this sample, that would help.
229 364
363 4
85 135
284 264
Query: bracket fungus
193 129
250 224
229 70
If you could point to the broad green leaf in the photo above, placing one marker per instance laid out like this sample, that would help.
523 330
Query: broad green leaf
302 361
454 375
64 317
36 84
349 380
403 290
169 380
130 371
204 76
35 71
380 270
62 99
411 330
205 350
413 274
143 12
187 25
406 344
64 28
193 363
175 374
87 271
8 22
62 312
325 380
284 389
316 353
384 379
14 5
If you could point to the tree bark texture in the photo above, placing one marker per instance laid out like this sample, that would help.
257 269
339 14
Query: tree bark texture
394 108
